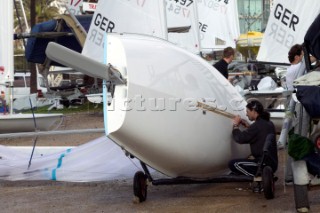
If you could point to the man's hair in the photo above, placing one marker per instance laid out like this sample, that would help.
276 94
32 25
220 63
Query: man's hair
227 52
258 107
294 50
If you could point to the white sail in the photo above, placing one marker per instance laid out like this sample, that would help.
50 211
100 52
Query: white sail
218 23
139 16
6 44
287 25
183 14
79 7
74 6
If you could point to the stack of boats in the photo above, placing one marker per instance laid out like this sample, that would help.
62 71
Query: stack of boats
248 44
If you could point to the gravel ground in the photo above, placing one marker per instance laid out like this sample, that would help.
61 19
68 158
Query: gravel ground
117 195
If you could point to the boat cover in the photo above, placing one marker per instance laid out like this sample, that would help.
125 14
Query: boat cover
36 46
309 97
312 38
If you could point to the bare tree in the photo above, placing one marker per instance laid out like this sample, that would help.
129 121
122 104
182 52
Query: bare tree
33 69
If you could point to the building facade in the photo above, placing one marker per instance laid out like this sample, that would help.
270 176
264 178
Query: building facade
253 14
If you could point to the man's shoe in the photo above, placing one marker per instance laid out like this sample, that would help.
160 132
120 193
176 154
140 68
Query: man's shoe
257 187
303 209
315 181
280 146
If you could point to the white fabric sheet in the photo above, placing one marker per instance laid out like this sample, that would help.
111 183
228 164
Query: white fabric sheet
98 160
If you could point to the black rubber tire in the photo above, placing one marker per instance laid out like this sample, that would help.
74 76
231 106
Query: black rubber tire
140 186
301 196
268 182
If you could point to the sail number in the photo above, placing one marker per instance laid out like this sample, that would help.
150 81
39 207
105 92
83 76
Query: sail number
183 2
283 27
178 9
139 2
212 3
286 16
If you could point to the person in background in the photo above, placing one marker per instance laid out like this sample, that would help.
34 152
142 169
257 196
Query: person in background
222 64
297 68
298 65
255 135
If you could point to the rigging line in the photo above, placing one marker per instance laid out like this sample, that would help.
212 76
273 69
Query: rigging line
105 89
133 162
36 137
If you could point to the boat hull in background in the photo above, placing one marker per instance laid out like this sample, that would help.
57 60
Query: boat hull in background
11 123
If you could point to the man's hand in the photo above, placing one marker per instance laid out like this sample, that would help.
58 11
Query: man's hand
236 120
245 123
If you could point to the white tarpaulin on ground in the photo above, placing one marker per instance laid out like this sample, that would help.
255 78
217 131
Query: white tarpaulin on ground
123 16
218 19
287 25
183 14
98 160
6 42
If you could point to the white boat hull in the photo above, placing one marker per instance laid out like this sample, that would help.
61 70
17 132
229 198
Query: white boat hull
23 103
272 100
11 123
97 98
175 139
277 118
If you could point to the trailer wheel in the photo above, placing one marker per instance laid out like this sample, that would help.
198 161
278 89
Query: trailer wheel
140 186
268 182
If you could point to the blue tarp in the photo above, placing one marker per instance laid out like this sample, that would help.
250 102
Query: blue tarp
35 49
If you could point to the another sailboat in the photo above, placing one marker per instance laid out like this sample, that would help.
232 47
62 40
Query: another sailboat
149 19
287 25
183 25
248 44
10 122
219 24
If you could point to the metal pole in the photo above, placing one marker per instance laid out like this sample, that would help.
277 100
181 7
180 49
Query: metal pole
36 137
46 133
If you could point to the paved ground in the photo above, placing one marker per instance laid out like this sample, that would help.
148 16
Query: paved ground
117 195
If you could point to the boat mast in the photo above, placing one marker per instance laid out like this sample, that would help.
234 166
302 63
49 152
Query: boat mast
6 50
